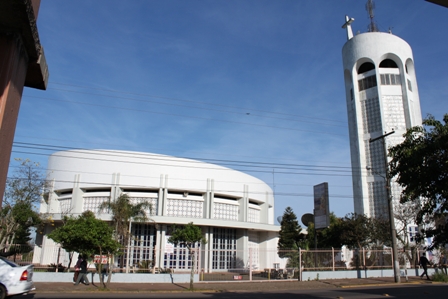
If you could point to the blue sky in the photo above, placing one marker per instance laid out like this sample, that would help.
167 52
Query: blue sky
252 85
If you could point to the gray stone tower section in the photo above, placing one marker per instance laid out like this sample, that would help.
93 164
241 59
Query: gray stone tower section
382 96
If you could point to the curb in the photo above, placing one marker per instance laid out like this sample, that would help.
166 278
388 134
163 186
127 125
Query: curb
391 284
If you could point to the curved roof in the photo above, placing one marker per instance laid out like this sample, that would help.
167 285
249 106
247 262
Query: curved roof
146 170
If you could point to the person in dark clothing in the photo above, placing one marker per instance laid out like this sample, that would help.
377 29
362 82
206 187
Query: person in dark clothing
82 277
77 268
443 264
424 263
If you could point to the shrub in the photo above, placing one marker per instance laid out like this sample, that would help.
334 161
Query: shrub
439 276
145 264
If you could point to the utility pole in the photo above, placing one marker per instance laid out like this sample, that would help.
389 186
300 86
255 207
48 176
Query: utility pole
393 230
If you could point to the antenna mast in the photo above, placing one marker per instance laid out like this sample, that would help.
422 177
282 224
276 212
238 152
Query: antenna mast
370 6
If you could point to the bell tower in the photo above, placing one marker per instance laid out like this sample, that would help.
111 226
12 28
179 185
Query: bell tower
382 98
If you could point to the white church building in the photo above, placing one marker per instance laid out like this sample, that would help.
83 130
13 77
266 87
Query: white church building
234 210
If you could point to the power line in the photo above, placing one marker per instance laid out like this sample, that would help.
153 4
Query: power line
144 188
102 145
162 160
159 160
253 166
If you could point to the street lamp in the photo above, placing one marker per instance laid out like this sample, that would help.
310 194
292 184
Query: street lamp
393 230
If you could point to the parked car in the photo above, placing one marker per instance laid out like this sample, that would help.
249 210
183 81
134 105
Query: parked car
15 279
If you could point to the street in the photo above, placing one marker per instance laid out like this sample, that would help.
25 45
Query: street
435 291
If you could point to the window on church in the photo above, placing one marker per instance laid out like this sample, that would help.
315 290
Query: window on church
367 82
365 67
390 79
388 63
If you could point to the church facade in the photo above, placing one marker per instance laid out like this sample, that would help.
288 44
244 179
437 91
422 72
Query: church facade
234 210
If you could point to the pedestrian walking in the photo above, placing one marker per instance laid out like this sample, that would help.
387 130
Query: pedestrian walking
424 263
77 268
443 264
82 277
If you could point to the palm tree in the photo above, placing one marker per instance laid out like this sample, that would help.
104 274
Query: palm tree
124 212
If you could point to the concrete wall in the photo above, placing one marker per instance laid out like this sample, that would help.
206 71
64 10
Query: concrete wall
117 277
318 275
185 277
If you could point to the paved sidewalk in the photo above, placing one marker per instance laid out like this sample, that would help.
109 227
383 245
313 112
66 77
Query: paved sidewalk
240 286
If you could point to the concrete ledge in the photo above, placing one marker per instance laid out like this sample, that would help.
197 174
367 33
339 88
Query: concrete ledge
319 275
185 277
117 277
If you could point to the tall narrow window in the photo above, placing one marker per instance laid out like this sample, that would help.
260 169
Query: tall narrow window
390 79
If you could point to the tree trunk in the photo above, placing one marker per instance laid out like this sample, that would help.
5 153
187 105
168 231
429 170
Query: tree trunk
100 270
192 268
70 257
109 268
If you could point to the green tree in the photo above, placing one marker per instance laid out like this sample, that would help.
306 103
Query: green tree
87 235
359 231
190 236
23 192
64 235
291 238
329 237
290 234
420 166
